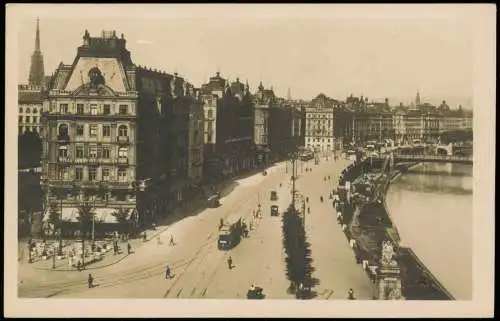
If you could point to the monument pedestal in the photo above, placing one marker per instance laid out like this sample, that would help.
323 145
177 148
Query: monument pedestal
389 276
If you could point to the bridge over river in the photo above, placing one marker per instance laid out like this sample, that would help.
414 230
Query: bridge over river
399 158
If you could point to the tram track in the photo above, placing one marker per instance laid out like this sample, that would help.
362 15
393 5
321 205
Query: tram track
148 270
219 259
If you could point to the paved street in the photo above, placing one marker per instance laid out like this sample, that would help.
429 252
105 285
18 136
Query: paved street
333 259
200 270
195 253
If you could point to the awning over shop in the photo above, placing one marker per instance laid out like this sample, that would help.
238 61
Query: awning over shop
70 214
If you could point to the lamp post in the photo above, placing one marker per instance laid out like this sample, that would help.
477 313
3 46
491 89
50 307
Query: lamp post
93 221
60 229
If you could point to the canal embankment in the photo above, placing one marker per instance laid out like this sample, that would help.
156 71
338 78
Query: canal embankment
362 190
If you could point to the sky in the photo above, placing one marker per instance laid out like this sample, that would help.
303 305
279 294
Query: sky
390 56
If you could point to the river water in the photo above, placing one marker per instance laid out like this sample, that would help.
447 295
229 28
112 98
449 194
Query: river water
432 209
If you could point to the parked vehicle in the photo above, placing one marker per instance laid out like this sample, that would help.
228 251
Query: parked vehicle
214 201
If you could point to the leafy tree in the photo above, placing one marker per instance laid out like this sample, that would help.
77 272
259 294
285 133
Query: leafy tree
85 216
122 216
29 149
55 216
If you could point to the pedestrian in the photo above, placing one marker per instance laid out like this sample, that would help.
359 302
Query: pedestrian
168 274
350 295
144 238
90 281
78 265
339 217
221 224
129 248
172 240
230 262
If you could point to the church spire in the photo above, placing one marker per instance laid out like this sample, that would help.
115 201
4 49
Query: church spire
37 39
37 72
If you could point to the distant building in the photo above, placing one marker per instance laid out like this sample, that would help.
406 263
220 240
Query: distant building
30 96
319 125
115 134
228 128
30 103
37 71
264 100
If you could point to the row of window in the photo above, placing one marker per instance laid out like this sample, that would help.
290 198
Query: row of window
28 119
34 129
93 174
209 113
94 109
316 115
322 140
93 130
28 110
103 152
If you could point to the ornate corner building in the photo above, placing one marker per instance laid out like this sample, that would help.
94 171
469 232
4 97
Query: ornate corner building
118 135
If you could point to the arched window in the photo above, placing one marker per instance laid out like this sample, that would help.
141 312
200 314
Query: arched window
63 130
34 111
122 130
27 110
21 110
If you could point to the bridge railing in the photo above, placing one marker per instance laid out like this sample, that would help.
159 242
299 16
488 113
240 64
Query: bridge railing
434 157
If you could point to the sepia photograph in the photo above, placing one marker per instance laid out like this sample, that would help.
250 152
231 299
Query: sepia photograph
250 160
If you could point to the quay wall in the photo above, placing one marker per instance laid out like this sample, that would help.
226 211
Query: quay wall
418 281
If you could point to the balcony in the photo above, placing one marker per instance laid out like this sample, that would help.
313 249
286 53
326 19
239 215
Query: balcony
64 160
93 160
105 161
122 139
122 160
63 138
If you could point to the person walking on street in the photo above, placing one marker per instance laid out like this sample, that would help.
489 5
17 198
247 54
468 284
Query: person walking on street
144 238
90 281
230 262
168 274
172 240
350 295
129 248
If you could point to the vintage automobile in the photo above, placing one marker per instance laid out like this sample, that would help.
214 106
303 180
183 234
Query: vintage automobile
214 201
255 293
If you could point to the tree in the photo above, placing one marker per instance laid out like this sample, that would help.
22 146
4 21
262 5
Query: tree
85 216
122 217
55 216
29 150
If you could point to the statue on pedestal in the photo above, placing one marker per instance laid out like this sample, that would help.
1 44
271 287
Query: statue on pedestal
387 253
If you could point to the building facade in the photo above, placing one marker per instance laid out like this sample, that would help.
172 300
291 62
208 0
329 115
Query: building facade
228 128
323 125
264 100
30 96
30 103
108 129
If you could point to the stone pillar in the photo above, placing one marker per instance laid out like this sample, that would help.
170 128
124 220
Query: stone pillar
389 280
